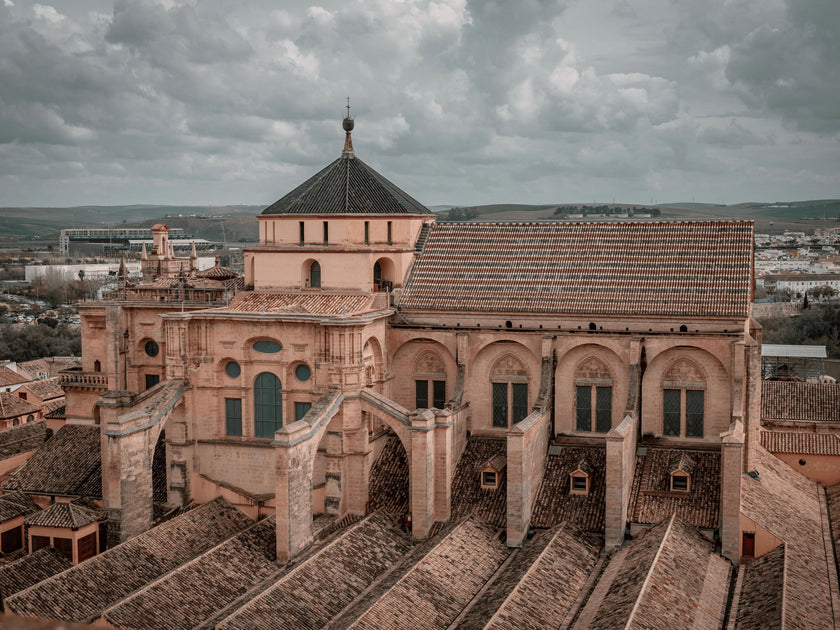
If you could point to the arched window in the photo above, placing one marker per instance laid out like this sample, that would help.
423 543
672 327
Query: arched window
268 405
593 396
429 381
683 399
97 366
315 275
509 381
377 274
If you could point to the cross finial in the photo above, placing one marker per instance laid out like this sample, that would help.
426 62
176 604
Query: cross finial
348 107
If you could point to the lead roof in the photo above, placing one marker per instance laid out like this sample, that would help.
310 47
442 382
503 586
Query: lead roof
348 186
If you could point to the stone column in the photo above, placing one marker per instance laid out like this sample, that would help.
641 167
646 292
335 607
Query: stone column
422 472
731 462
294 490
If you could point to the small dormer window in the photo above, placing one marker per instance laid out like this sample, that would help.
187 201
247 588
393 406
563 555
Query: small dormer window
681 470
579 484
679 482
580 477
491 472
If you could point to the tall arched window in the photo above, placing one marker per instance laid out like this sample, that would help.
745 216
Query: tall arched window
593 396
377 274
683 399
315 275
268 405
509 381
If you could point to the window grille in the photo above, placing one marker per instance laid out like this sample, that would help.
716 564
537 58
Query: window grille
500 404
694 412
584 408
520 402
233 416
603 409
671 412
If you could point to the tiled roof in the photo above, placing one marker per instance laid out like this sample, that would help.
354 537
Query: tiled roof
435 591
204 585
45 389
81 594
303 303
539 590
314 592
16 504
554 503
31 569
468 497
49 365
55 411
68 464
659 269
801 443
761 596
651 499
67 515
389 478
13 406
668 577
22 438
217 272
788 505
10 377
795 401
347 186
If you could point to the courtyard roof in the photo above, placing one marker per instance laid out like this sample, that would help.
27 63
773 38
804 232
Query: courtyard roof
685 269
788 350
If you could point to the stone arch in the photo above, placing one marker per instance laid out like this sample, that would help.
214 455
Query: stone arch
309 267
372 359
499 362
686 369
403 388
591 365
383 274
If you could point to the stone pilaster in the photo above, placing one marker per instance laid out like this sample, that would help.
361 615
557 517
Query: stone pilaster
731 462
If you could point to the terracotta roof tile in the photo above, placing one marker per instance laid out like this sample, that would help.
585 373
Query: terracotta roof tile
389 478
668 577
49 365
347 186
651 499
10 377
787 505
801 443
22 438
70 596
659 269
16 504
304 303
790 401
762 593
45 389
29 570
203 585
441 585
67 515
468 497
314 592
546 593
68 464
555 504
13 406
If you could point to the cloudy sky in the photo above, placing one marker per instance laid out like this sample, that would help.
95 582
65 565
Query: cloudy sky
457 101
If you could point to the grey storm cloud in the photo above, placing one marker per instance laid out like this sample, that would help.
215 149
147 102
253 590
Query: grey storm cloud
458 101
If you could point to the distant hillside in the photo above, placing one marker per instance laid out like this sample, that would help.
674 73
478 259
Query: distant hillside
45 223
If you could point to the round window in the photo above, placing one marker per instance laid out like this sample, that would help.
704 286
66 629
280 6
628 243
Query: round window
152 349
302 372
232 369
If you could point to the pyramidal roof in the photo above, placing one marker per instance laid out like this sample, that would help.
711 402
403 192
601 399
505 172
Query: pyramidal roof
347 186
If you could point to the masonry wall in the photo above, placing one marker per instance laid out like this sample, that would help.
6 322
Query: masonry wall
527 448
824 469
621 466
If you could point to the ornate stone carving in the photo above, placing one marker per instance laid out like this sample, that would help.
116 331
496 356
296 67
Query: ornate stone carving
592 368
508 365
684 371
429 362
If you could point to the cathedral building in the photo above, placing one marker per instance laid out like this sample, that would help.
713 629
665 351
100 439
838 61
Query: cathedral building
473 379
